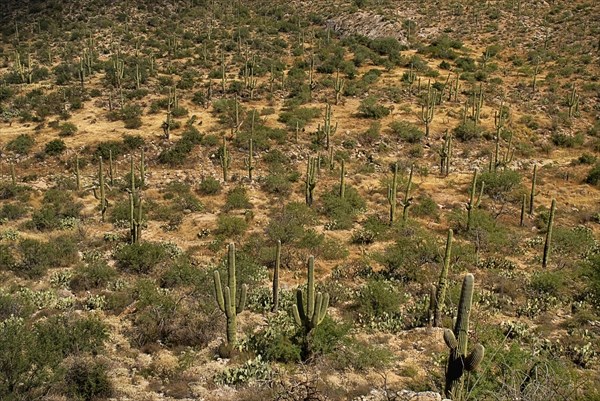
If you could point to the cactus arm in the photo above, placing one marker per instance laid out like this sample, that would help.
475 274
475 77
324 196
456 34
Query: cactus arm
242 301
219 291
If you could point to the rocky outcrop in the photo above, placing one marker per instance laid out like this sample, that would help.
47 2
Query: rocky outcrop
367 24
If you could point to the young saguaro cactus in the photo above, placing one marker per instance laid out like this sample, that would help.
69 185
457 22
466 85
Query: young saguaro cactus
407 201
276 277
135 218
428 108
249 160
391 196
473 204
446 154
225 160
532 194
342 180
548 241
310 180
440 292
459 361
226 297
338 86
311 314
101 186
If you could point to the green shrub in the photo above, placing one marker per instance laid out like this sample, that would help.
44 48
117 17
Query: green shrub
547 283
140 258
407 258
87 379
342 211
12 211
133 142
370 108
96 274
231 226
288 224
57 205
593 176
237 198
567 141
67 129
22 144
37 256
55 147
467 131
299 116
327 337
378 298
406 131
209 186
499 184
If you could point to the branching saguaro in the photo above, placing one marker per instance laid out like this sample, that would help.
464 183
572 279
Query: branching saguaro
440 291
226 297
459 361
310 182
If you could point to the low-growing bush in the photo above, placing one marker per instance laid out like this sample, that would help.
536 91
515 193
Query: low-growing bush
140 258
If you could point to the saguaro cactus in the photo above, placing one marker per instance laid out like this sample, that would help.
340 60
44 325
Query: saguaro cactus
226 297
101 185
249 160
407 201
135 218
440 292
548 241
310 180
342 180
338 86
311 314
573 101
532 195
276 277
473 204
328 129
391 196
428 108
225 160
459 361
77 175
446 154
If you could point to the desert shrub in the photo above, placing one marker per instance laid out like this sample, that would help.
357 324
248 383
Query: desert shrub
370 108
277 342
342 211
361 355
378 298
327 337
237 198
183 273
231 226
277 183
178 152
7 260
133 142
406 131
56 206
547 283
468 131
22 144
209 186
104 149
140 258
87 379
567 141
576 241
55 147
96 274
299 116
407 258
67 129
593 176
12 211
289 224
425 207
372 134
37 256
386 46
10 191
44 345
499 184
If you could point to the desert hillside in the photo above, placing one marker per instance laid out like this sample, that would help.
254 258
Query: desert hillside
304 200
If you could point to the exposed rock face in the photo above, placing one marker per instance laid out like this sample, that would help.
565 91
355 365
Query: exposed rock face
403 395
367 24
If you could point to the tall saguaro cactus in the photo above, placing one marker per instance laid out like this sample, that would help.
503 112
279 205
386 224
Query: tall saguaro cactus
473 204
310 314
226 297
342 180
532 195
310 180
459 361
548 241
276 277
428 108
225 160
407 201
391 195
440 293
101 185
